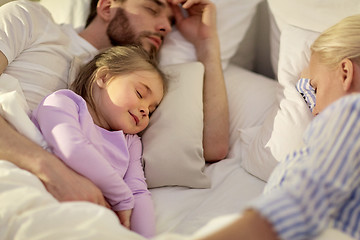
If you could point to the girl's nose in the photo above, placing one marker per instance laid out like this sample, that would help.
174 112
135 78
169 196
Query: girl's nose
144 112
315 111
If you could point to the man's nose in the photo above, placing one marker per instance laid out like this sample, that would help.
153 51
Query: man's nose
164 26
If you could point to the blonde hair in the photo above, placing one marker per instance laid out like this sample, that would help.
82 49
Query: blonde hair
118 60
339 42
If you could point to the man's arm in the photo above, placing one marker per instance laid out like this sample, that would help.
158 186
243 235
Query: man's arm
63 183
216 111
200 29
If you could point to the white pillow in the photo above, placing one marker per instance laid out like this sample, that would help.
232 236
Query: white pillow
68 11
315 15
172 143
294 56
283 129
233 20
251 97
294 115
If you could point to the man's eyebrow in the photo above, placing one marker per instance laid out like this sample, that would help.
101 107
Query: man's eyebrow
158 2
163 5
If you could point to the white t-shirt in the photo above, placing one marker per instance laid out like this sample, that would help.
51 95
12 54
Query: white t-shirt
39 51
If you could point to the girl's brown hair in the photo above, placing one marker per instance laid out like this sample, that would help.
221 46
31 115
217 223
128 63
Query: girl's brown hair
118 60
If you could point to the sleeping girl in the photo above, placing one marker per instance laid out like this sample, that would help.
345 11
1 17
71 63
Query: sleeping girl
93 128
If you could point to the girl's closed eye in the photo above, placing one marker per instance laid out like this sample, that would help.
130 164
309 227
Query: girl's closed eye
139 94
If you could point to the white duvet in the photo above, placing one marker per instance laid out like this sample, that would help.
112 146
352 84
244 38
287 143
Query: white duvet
28 211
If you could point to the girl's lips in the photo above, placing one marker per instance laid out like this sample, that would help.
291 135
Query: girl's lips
136 119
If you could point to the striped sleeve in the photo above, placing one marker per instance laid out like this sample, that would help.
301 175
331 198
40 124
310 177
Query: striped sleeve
307 92
312 192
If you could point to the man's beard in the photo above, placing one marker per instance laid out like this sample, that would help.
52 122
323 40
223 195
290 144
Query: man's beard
121 33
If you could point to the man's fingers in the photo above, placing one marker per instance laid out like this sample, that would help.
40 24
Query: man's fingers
177 13
188 3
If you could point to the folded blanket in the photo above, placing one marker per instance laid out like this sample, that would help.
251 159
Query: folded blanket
15 110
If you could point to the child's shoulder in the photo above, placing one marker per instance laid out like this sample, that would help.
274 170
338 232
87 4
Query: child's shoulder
66 93
64 97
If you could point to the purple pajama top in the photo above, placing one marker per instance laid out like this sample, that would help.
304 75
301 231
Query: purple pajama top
110 159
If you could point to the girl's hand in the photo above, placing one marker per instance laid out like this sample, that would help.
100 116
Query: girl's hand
200 24
124 217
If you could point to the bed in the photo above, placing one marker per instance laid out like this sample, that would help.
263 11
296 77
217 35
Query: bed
263 51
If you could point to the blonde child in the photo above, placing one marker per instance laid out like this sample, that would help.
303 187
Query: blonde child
93 128
319 186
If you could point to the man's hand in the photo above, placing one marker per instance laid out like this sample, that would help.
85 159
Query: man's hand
200 24
60 181
199 27
66 185
124 217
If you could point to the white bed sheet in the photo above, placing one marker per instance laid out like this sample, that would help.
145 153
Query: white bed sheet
182 210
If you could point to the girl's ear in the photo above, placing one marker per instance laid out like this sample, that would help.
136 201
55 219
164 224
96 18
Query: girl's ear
103 10
102 76
347 74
